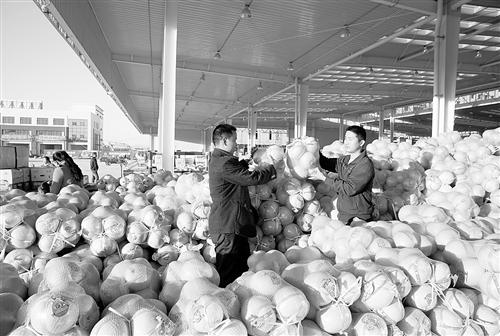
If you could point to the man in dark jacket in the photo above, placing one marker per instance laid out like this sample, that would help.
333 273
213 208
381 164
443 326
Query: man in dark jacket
94 167
353 179
232 218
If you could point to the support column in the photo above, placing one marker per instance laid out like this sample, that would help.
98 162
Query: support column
253 126
160 122
381 124
290 130
169 80
302 93
341 128
151 142
207 139
445 68
393 114
313 128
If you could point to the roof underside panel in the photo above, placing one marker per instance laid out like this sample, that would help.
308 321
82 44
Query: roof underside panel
124 38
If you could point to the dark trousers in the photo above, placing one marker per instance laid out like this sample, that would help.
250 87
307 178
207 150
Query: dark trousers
232 252
95 176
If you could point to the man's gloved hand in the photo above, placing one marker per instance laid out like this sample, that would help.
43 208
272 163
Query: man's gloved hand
317 174
279 165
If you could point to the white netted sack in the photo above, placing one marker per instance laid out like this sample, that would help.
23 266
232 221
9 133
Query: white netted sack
302 156
334 318
368 324
259 315
206 313
291 304
415 322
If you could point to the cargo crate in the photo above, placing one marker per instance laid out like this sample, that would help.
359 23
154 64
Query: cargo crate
11 176
41 174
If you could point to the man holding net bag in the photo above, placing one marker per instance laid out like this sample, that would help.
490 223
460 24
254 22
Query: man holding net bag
232 218
352 179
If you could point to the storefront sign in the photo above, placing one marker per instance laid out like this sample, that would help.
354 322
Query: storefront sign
50 138
6 137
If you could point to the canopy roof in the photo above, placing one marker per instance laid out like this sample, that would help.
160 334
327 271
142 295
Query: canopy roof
385 60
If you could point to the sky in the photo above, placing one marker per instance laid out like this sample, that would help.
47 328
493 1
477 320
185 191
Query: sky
37 64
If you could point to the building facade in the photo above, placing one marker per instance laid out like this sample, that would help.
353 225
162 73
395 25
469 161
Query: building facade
28 124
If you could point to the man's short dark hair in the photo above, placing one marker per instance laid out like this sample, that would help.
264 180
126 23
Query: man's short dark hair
358 130
222 131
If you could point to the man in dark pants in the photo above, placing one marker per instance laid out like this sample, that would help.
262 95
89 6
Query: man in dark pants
94 167
232 218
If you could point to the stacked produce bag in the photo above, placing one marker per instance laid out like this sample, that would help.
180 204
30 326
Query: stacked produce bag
135 256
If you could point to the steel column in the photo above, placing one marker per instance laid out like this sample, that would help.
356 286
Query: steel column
446 58
169 81
393 116
341 128
381 124
301 110
253 127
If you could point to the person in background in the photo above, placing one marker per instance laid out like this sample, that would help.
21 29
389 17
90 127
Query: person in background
232 219
94 167
352 178
46 162
67 172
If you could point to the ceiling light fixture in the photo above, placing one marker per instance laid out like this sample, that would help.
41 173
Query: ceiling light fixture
331 85
202 78
290 67
45 6
245 13
238 101
187 103
478 54
217 55
416 73
425 50
370 70
260 87
345 32
406 88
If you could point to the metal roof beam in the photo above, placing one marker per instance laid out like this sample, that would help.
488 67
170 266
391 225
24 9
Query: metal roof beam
207 69
132 59
390 63
367 92
180 97
427 7
458 3
232 72
311 106
490 64
373 46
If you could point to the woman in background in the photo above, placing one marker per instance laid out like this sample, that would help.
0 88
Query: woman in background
46 162
66 173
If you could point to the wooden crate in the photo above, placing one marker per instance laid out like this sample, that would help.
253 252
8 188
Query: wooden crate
7 157
26 174
11 176
41 174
